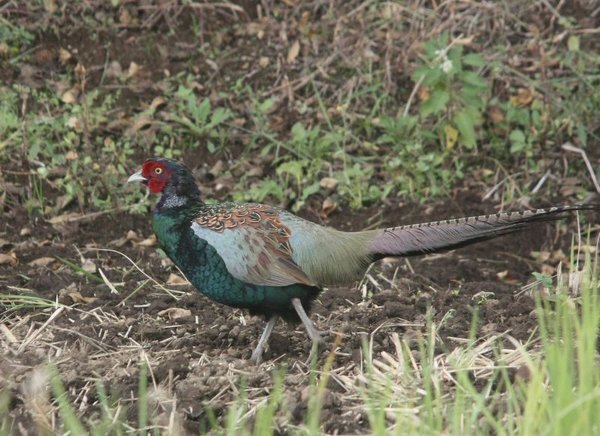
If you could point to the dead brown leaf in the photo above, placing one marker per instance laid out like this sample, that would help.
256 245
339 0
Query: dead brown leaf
464 41
238 122
157 102
278 123
141 122
548 270
125 17
64 55
75 123
304 19
523 98
148 242
558 256
4 50
8 259
50 6
118 242
133 70
174 313
66 224
176 280
69 96
64 218
42 261
293 52
327 207
132 236
328 183
217 168
496 114
88 265
226 181
114 70
78 298
80 71
541 256
255 171
30 75
423 93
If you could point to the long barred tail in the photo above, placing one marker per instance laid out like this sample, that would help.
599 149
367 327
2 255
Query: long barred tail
435 236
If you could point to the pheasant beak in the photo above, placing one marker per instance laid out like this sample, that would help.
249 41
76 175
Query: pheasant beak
137 177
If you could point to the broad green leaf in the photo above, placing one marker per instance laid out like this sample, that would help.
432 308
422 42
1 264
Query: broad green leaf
473 79
546 280
517 140
474 60
573 43
183 92
420 72
433 77
298 132
219 115
310 190
473 97
465 123
435 103
475 115
582 134
200 112
266 105
454 54
295 168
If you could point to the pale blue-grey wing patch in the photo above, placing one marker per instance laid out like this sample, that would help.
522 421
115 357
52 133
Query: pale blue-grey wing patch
251 256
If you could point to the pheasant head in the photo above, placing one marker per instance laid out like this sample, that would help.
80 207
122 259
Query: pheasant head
173 180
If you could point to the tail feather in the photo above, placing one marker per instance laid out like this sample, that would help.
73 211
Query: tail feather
436 236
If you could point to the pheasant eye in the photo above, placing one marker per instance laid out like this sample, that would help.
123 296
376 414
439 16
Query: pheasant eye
158 170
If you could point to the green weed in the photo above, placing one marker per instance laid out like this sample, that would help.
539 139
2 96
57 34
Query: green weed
67 149
454 90
200 119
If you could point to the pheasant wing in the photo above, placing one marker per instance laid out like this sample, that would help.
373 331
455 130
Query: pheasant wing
253 243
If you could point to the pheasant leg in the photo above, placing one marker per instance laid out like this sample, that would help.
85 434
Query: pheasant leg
312 331
258 351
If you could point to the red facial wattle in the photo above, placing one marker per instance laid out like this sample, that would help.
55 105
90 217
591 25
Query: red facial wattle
156 185
156 175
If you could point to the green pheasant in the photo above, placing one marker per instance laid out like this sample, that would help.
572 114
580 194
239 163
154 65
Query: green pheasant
273 263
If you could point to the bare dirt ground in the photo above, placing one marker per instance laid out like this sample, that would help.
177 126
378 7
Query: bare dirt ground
199 357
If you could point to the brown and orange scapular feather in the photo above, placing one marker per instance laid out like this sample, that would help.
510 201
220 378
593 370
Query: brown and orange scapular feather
262 241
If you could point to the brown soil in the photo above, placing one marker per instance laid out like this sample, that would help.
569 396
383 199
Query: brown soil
202 357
